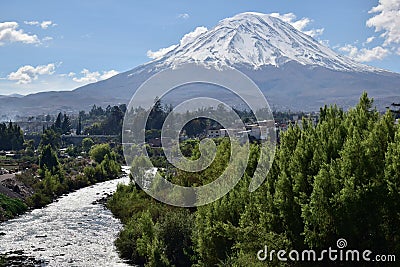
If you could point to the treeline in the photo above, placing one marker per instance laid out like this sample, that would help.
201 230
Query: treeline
338 179
101 121
154 119
11 137
97 121
62 124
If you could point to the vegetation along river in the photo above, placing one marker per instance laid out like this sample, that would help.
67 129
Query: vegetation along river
76 230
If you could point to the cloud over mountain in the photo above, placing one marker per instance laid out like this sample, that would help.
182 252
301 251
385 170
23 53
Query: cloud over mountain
292 69
26 74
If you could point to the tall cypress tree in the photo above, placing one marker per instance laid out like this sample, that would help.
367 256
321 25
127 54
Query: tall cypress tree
66 125
79 126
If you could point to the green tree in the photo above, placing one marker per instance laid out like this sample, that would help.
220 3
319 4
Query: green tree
11 137
29 148
156 116
87 144
392 209
48 159
58 123
66 125
135 241
50 137
98 152
175 232
79 126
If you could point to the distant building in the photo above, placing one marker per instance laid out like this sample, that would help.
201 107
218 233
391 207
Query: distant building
216 133
259 131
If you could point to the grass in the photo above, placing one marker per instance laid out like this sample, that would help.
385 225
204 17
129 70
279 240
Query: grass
10 207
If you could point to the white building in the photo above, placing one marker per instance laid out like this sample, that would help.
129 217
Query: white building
216 133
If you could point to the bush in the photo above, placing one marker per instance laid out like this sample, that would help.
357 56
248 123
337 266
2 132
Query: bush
38 200
10 207
175 232
98 152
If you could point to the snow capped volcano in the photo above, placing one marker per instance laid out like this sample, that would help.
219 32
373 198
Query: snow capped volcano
256 40
293 70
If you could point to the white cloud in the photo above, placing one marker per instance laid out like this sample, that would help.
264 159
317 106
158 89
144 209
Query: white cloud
300 24
91 77
370 39
364 54
314 32
26 74
184 16
44 24
108 74
31 22
9 33
187 38
386 22
161 52
387 19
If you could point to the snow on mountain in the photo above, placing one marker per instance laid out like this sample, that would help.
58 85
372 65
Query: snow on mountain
257 40
293 70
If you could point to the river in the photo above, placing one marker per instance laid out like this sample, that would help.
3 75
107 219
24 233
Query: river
73 231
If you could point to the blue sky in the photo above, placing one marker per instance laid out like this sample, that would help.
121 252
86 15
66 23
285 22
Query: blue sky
61 45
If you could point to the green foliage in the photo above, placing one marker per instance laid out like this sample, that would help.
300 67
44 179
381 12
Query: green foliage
62 125
107 121
11 137
338 179
154 234
95 129
134 239
107 169
156 116
29 148
10 207
57 124
48 159
175 232
66 125
38 200
50 137
79 126
87 144
61 176
98 152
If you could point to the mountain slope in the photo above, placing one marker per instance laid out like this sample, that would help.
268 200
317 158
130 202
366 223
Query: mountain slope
292 69
256 40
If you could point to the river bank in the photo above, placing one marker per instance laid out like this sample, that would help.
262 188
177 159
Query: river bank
76 229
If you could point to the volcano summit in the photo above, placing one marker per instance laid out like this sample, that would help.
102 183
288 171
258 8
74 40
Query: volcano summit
293 70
